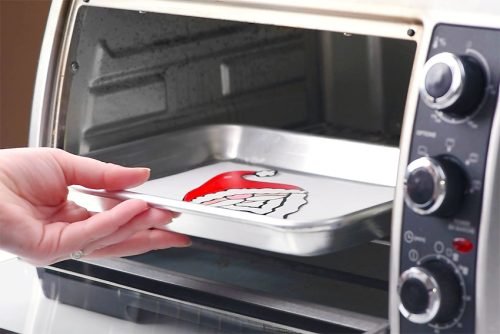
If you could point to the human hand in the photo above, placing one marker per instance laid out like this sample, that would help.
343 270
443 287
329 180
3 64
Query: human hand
39 224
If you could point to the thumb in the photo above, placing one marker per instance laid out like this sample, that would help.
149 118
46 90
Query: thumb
96 174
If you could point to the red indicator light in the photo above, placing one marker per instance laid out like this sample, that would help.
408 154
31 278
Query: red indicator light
462 245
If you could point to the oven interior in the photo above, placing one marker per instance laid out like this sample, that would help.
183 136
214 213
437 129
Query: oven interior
133 75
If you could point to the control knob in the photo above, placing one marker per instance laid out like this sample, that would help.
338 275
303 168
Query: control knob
430 293
453 84
434 185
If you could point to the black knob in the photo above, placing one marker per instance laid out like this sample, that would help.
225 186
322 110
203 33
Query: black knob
414 295
430 293
434 186
453 84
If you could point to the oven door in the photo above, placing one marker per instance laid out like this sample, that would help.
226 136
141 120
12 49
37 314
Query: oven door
229 289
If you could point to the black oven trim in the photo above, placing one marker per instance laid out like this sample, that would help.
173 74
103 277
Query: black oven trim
195 296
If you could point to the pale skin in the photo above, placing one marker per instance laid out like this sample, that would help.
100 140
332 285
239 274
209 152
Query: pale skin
40 225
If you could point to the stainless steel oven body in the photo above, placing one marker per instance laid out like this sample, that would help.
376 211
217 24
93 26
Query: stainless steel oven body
126 81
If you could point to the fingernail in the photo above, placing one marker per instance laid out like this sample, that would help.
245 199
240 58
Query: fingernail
163 216
185 243
136 184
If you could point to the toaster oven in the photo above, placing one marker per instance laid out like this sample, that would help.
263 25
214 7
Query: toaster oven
335 162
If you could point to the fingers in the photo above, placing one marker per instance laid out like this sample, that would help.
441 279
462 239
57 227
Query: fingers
145 220
97 174
116 226
70 212
141 242
77 235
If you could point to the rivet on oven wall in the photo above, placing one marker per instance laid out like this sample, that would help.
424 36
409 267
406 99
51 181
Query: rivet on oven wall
74 66
410 32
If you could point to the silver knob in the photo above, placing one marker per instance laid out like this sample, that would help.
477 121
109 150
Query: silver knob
434 185
431 293
453 84
419 294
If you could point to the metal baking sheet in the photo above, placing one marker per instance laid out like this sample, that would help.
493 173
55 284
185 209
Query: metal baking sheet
273 190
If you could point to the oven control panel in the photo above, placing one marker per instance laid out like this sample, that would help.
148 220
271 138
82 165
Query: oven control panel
444 181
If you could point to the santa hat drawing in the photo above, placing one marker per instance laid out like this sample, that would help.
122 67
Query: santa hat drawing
235 191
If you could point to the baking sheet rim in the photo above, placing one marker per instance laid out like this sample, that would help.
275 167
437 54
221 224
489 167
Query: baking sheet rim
273 223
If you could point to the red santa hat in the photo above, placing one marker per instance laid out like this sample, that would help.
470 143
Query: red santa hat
237 180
